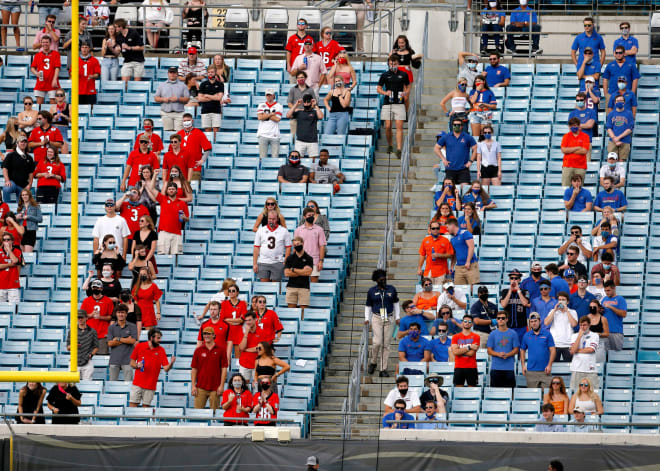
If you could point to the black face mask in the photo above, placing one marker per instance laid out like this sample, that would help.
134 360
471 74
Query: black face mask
298 248
593 309
309 219
382 283
97 291
142 257
483 297
125 298
144 277
403 392
536 274
265 386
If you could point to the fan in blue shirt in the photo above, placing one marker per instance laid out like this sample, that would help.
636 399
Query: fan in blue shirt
458 148
618 69
610 197
587 116
589 38
577 198
620 123
398 414
589 67
414 347
630 43
497 75
630 103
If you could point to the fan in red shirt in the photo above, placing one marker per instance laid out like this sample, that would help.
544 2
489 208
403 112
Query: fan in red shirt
4 209
9 224
89 70
208 371
252 336
327 47
10 270
237 400
232 312
155 142
136 160
44 136
50 174
265 404
294 45
464 346
220 328
46 66
175 156
268 321
129 208
99 310
146 293
173 212
147 359
196 145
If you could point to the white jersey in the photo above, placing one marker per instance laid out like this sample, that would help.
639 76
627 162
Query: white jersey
269 128
272 244
585 362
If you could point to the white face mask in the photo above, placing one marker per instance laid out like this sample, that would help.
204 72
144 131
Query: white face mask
492 4
107 274
187 124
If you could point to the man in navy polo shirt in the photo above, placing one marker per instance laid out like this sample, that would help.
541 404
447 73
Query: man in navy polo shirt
460 150
616 309
589 67
629 42
532 282
577 198
610 197
620 68
497 75
465 262
620 124
579 301
541 347
630 99
590 38
414 347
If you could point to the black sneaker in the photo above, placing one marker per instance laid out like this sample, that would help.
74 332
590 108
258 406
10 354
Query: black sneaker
372 368
390 149
384 374
398 153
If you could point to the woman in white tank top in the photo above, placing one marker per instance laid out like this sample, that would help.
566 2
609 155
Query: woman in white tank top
489 158
459 103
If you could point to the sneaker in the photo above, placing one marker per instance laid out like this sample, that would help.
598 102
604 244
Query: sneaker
398 153
512 50
390 149
384 374
500 48
372 368
483 52
536 50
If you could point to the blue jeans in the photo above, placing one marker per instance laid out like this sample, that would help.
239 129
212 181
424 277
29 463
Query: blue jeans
496 37
7 191
337 123
109 69
44 11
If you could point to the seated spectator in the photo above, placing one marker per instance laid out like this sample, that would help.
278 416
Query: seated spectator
64 399
489 158
221 295
456 150
122 337
630 99
147 294
269 114
435 251
599 325
298 267
467 67
561 321
306 113
446 317
97 14
267 320
584 345
452 296
469 220
484 315
398 413
577 198
581 298
587 116
266 403
464 346
572 263
147 359
111 285
338 104
88 346
521 20
546 424
449 193
155 19
325 172
314 241
99 309
108 253
585 399
50 174
612 217
579 425
619 125
208 371
575 146
434 393
620 75
173 213
576 240
616 309
431 413
479 197
320 219
569 277
442 217
31 401
414 347
293 171
43 136
613 169
544 303
607 269
237 401
610 197
492 20
232 312
515 302
402 392
503 345
483 103
441 345
413 315
147 177
426 299
265 366
557 284
605 241
596 285
556 395
262 219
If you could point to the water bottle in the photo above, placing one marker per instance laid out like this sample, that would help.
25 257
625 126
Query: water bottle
432 253
305 60
41 75
180 215
142 367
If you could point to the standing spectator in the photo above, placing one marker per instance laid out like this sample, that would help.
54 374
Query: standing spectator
236 400
50 174
147 359
89 71
395 86
64 399
129 43
402 392
29 215
147 237
43 136
457 151
10 226
306 113
398 413
222 69
220 330
113 224
99 310
251 336
30 400
575 147
88 346
600 326
464 346
272 245
478 196
147 294
532 282
589 68
587 116
296 94
484 316
413 347
361 8
557 396
489 158
310 63
175 157
442 217
61 113
196 144
542 351
435 250
465 262
610 197
232 313
269 114
616 309
268 321
546 424
208 372
110 63
295 44
515 301
27 118
561 321
589 39
97 14
620 75
584 344
382 310
407 58
211 92
269 205
131 210
122 336
136 160
338 103
10 135
107 254
581 299
503 346
326 173
83 37
155 19
11 11
314 242
293 171
46 66
49 30
483 103
172 96
343 69
298 267
613 169
173 213
630 43
266 403
523 19
544 303
620 124
576 198
492 21
134 315
467 67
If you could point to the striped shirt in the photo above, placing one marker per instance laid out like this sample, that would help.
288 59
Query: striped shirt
198 69
87 342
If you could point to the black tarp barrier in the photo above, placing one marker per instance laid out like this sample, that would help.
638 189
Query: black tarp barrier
42 453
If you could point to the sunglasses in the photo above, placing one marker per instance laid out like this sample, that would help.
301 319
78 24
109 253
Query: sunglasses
259 349
429 407
588 25
543 288
441 331
584 385
588 53
467 322
50 21
618 52
575 232
514 278
328 33
207 333
28 103
270 204
556 382
261 302
492 59
501 318
302 23
572 253
445 313
232 291
6 240
578 101
144 142
59 94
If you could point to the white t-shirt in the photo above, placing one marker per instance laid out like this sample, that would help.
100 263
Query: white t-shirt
488 156
468 74
272 244
561 329
116 226
585 362
596 291
618 173
269 128
444 299
581 258
411 398
598 242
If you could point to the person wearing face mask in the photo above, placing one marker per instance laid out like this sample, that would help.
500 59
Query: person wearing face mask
272 245
537 353
111 224
298 267
269 114
266 404
147 294
296 94
607 268
620 75
503 345
523 19
600 326
337 103
208 371
398 412
140 261
435 251
615 310
108 254
532 282
581 299
183 189
131 209
464 346
611 197
484 314
43 136
588 39
575 147
314 241
306 113
479 197
265 367
589 86
236 400
328 48
449 193
492 21
629 43
136 160
483 103
414 347
382 311
342 69
452 296
402 392
467 67
596 285
195 143
147 359
155 143
605 241
134 313
293 171
587 116
50 174
394 85
459 102
122 337
111 285
613 169
561 321
619 125
99 309
489 158
414 315
441 344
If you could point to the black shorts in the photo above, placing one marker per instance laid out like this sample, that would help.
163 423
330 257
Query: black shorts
489 172
461 375
459 176
87 99
47 194
502 379
29 238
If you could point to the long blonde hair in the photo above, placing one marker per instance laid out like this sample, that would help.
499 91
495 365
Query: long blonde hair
11 129
592 394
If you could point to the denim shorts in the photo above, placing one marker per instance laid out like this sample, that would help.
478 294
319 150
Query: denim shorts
481 117
10 7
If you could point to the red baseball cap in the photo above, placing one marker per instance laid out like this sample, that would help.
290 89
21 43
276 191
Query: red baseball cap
192 50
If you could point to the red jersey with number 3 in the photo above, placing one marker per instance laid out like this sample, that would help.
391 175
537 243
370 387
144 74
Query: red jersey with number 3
295 45
132 214
44 166
9 277
46 63
329 52
87 68
104 306
53 134
137 160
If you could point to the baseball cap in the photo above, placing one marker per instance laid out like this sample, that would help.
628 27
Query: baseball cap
622 78
568 273
312 461
537 266
97 284
578 409
515 271
192 50
82 314
309 41
173 69
449 284
482 289
270 91
590 78
208 330
535 315
21 139
613 155
588 48
110 202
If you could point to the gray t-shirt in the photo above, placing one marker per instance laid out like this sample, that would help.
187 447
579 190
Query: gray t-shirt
121 354
326 173
293 174
468 74
295 94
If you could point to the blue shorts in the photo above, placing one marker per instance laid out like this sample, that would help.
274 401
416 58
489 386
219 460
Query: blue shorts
10 7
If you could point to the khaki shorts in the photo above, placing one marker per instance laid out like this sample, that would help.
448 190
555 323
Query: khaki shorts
41 94
568 172
203 395
141 396
393 112
132 69
623 151
538 379
467 277
211 120
196 176
169 244
297 296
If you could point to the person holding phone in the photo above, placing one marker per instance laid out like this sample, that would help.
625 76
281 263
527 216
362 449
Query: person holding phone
561 321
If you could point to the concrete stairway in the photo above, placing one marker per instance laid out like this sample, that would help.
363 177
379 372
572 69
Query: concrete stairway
402 269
